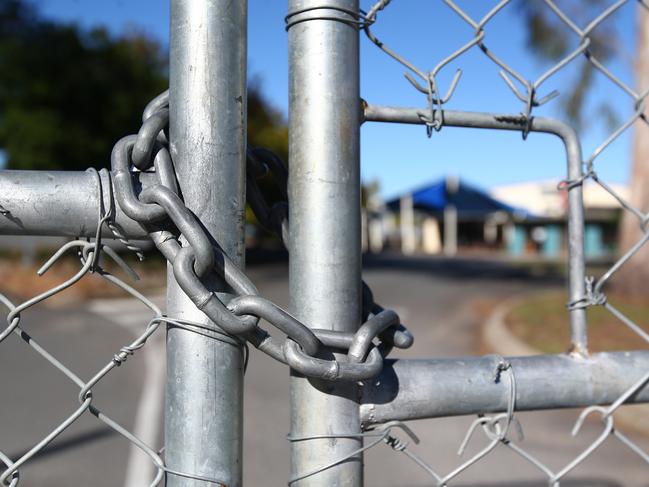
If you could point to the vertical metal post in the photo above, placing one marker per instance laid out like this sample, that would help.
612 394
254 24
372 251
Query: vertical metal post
324 196
576 254
204 396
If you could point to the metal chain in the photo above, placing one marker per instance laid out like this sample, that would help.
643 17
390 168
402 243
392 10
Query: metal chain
160 209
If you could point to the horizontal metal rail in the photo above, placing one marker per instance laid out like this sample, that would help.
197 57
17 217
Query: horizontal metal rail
61 203
577 267
430 388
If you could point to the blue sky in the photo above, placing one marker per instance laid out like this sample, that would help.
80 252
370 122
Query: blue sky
402 157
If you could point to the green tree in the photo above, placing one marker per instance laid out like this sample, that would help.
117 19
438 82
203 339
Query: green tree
266 126
68 94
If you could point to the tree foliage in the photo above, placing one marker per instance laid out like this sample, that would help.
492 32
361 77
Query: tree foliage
266 125
67 94
551 39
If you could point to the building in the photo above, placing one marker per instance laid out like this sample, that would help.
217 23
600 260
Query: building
446 215
521 219
544 232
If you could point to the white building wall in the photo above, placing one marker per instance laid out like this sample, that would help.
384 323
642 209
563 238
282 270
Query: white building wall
542 198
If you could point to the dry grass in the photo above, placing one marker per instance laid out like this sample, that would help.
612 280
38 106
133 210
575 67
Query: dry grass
21 282
542 322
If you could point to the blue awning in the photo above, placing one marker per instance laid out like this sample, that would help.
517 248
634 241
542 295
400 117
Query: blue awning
467 200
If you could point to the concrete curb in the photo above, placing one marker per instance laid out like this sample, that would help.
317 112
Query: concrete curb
496 337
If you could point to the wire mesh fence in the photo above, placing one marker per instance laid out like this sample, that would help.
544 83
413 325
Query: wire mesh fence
192 256
497 428
89 255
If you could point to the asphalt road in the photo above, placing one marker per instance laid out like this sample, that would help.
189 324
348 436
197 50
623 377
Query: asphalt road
435 298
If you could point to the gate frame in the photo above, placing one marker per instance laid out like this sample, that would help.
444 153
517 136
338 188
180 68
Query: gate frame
208 136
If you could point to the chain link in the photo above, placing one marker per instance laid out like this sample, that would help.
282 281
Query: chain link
159 207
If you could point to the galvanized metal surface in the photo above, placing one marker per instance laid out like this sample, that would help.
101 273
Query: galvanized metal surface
199 229
207 103
61 203
410 389
324 213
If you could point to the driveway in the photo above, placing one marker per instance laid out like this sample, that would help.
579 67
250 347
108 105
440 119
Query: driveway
435 297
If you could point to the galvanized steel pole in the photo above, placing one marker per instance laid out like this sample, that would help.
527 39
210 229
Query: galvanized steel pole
409 389
69 199
204 397
324 199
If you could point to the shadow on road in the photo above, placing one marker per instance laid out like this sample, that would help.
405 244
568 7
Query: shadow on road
475 268
463 268
583 482
73 441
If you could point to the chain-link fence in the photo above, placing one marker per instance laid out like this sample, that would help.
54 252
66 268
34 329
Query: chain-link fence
149 193
497 428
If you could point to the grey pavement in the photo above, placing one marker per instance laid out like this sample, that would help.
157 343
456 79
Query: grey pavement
435 298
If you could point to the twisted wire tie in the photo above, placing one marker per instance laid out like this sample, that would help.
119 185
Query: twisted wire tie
124 353
568 184
592 297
